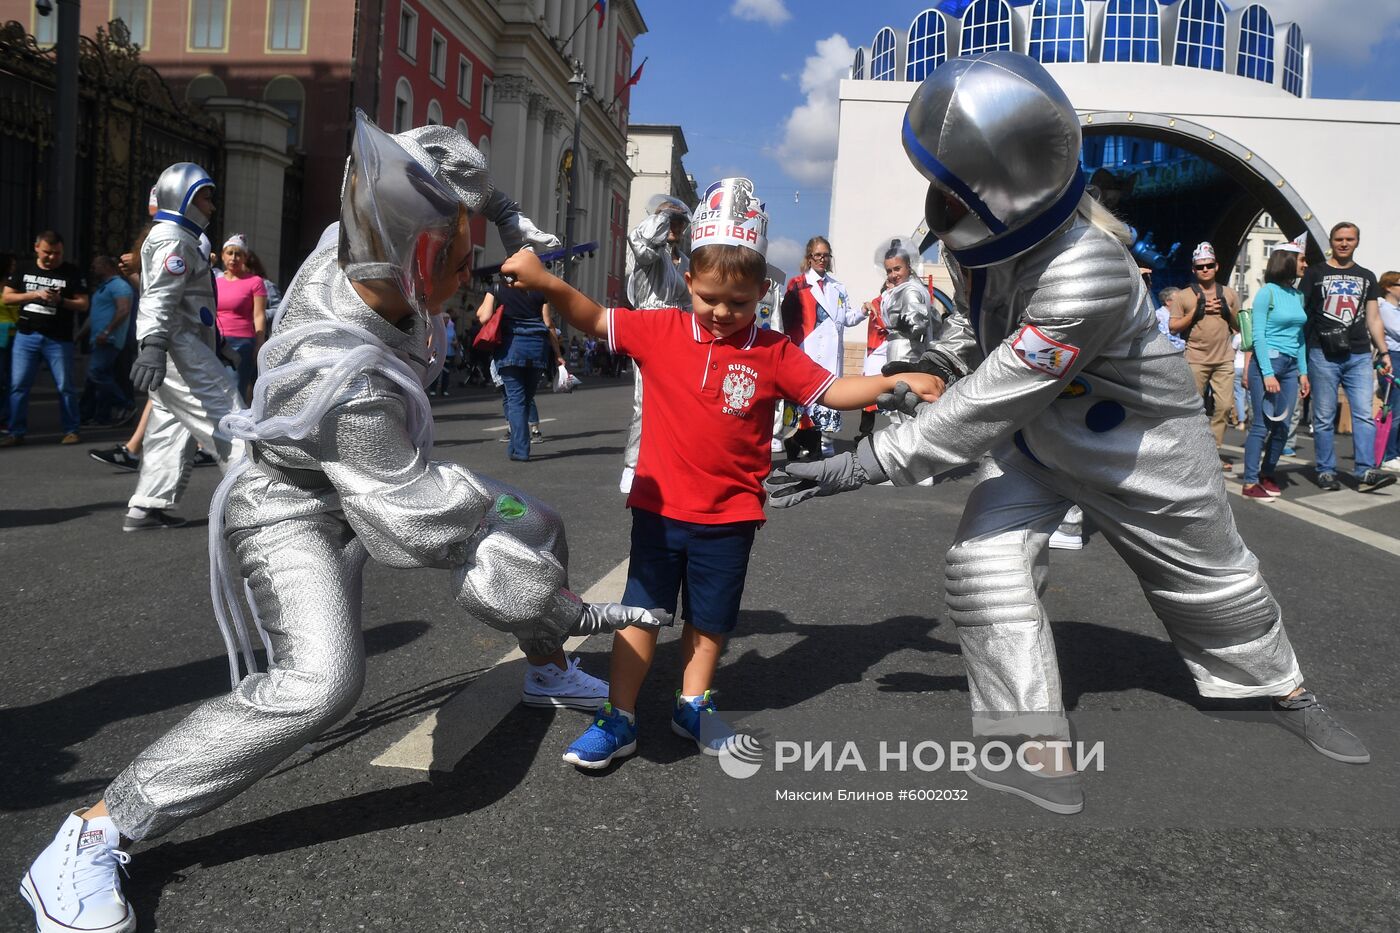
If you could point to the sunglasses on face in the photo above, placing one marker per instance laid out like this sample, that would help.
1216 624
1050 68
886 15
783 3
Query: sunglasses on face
1209 265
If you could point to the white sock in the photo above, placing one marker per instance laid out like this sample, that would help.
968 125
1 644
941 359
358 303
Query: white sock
686 699
136 512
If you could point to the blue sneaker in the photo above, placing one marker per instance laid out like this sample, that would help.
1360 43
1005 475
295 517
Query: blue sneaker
698 721
610 736
1289 452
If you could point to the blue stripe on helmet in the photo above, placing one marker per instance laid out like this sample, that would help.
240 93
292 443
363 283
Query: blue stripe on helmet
189 195
1032 233
180 220
954 183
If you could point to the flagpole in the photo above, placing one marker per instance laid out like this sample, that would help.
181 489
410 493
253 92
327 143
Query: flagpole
591 10
618 96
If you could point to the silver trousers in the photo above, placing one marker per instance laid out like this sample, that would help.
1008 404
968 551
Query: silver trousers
1198 577
183 413
634 430
304 578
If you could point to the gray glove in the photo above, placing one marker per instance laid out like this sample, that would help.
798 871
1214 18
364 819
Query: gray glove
902 399
799 482
609 617
517 231
148 372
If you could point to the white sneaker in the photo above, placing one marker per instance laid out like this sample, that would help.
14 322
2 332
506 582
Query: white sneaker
73 884
1392 465
625 484
776 446
574 688
1063 542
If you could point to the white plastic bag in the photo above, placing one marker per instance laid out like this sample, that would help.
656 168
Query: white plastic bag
564 381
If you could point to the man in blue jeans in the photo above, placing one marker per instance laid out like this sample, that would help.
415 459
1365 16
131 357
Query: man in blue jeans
107 327
49 293
1343 324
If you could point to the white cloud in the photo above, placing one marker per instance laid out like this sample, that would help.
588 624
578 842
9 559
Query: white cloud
1344 33
772 12
808 149
785 253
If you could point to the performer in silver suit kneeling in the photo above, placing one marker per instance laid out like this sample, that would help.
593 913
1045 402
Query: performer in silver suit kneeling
1059 381
338 471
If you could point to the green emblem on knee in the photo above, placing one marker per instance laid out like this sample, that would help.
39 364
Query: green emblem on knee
511 508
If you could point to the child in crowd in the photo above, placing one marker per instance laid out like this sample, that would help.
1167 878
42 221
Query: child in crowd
712 379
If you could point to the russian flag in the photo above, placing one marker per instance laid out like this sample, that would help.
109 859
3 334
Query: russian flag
602 7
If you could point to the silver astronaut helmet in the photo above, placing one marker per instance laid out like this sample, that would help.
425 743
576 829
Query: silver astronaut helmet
453 161
397 219
174 193
998 135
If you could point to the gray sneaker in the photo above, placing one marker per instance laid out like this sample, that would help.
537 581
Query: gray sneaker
1372 480
1305 716
153 520
1063 794
1328 481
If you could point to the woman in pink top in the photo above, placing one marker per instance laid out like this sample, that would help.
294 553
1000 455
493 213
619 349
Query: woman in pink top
242 311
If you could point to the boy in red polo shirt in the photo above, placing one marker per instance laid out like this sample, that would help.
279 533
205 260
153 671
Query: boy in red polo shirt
713 378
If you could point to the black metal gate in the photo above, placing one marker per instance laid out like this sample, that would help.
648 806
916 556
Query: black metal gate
130 127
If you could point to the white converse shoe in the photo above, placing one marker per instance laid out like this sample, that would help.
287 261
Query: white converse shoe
73 884
575 688
1063 542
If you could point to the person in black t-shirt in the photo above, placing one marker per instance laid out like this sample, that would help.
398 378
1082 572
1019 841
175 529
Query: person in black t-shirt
1343 323
49 294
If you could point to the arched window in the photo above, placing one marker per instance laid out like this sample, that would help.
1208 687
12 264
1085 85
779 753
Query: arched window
1256 57
403 106
1293 61
462 128
858 66
986 27
928 45
204 87
1057 31
882 56
1132 32
286 94
484 144
434 113
1200 35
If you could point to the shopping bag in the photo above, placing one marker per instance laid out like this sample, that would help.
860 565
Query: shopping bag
1385 418
564 381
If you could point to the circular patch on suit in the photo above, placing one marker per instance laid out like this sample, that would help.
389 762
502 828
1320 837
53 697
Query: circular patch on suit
174 265
207 317
1104 416
510 508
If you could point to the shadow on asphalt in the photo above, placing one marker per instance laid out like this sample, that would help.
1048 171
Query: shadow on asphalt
25 518
36 741
483 777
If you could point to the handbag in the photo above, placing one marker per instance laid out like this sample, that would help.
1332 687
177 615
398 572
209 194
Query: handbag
489 337
1334 341
565 381
1246 319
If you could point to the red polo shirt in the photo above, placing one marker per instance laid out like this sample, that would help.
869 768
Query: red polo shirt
707 417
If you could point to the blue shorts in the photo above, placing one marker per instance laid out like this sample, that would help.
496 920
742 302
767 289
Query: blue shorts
706 563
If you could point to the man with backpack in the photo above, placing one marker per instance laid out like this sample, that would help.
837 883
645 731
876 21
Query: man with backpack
1205 316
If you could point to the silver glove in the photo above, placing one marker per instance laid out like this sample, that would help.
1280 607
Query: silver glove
517 231
148 372
799 482
609 617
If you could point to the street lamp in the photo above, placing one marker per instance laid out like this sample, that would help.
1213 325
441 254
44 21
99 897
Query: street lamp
580 85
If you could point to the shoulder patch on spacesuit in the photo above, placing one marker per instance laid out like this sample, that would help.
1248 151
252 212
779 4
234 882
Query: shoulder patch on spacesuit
174 265
1043 354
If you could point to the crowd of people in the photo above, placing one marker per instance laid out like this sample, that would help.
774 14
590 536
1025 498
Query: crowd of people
1049 373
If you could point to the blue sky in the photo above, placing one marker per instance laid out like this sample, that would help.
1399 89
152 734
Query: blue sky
753 84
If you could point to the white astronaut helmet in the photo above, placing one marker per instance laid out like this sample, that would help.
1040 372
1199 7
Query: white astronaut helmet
999 135
174 196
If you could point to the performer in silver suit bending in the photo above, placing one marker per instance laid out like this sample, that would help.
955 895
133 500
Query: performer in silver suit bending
660 261
1058 379
339 437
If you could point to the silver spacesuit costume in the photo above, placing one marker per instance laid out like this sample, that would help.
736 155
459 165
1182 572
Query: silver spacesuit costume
339 436
911 320
1058 373
177 308
656 281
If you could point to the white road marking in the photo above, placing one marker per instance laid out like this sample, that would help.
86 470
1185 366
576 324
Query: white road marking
1330 523
1343 502
446 735
506 427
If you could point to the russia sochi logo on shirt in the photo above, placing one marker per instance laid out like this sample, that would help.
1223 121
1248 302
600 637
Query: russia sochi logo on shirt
1043 354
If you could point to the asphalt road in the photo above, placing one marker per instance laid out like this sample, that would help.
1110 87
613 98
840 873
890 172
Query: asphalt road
109 639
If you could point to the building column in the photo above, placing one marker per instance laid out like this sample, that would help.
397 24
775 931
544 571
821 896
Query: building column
548 170
508 146
529 195
255 167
